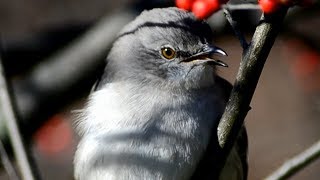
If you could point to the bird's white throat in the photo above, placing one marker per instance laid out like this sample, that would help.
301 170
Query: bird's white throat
134 132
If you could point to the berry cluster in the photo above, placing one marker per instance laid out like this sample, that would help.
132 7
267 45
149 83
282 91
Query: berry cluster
201 8
270 6
204 8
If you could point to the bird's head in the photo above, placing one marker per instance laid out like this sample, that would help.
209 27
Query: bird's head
166 45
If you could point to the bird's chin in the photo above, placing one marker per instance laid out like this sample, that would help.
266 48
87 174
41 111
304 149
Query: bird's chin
200 76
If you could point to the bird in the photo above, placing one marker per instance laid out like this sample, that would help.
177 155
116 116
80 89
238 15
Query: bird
153 114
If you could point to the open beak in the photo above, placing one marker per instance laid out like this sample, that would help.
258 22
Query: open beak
205 55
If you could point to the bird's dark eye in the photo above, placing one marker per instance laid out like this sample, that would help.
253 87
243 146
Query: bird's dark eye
168 52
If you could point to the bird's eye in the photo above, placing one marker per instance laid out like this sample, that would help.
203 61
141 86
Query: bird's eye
168 52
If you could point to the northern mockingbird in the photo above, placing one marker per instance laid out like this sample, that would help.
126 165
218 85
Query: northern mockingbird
154 113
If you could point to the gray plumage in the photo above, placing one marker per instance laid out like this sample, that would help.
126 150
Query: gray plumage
154 113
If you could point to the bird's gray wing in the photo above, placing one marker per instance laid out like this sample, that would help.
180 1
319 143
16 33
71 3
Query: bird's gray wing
236 165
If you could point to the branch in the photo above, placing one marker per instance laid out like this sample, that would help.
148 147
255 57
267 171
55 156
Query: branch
246 81
20 149
296 163
235 28
248 6
8 166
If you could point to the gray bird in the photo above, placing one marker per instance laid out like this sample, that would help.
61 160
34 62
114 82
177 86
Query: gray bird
154 113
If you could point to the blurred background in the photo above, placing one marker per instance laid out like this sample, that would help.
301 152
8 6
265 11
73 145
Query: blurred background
54 50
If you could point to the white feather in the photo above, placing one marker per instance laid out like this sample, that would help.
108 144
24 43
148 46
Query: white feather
149 134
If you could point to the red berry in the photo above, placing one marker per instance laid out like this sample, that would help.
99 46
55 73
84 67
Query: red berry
184 4
55 136
269 6
204 8
214 4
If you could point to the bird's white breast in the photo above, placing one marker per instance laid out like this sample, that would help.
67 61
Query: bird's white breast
149 134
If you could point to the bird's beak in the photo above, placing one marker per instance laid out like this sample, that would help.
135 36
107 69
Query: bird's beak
206 55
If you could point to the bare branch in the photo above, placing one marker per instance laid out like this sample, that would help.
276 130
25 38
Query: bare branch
248 6
20 150
235 28
246 81
8 166
296 163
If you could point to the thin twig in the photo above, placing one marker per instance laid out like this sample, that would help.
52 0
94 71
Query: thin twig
235 28
246 81
248 6
296 163
20 150
8 166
